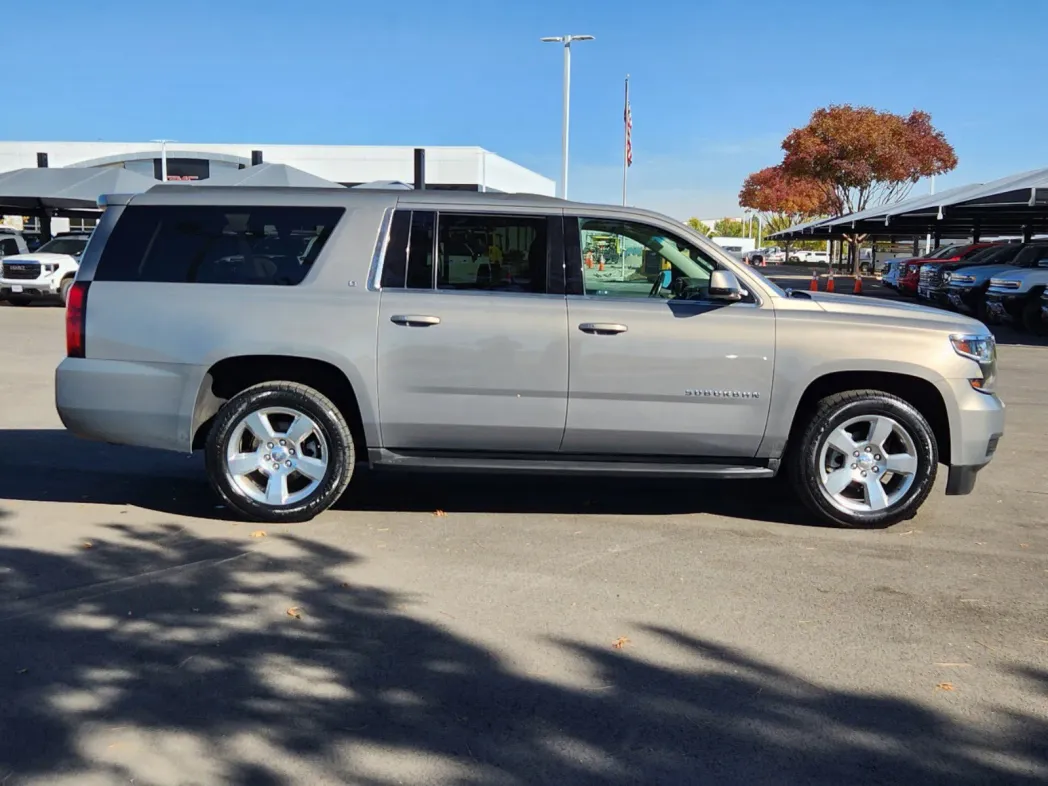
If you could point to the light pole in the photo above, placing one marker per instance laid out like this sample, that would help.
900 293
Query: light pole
567 41
163 156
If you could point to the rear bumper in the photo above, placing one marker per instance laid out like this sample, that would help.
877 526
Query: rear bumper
144 404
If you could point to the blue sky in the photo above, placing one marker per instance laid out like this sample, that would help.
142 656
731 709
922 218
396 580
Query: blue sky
715 85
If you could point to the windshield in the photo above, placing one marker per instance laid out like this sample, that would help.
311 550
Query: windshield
73 246
945 251
1030 256
993 254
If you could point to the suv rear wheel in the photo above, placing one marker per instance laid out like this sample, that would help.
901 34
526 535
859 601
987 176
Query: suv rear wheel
866 459
279 452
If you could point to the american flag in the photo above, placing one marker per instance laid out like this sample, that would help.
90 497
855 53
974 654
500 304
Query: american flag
627 118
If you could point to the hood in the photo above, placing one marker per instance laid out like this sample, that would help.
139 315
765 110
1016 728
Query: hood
41 258
983 270
1012 273
895 311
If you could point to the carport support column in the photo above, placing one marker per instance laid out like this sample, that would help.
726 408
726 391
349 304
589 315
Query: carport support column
937 237
420 169
976 231
916 244
45 218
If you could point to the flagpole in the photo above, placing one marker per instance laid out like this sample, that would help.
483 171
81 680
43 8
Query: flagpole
625 139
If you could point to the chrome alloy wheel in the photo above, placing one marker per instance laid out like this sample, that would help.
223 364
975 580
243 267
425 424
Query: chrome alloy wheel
276 456
867 464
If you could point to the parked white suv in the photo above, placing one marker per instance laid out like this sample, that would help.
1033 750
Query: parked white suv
46 273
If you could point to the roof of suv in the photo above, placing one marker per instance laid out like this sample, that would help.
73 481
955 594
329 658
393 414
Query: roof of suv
164 194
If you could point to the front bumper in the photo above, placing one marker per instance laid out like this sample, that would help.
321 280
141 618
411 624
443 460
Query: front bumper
45 286
976 427
963 298
1005 307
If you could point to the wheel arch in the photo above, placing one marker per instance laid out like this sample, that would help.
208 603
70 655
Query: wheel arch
229 376
921 393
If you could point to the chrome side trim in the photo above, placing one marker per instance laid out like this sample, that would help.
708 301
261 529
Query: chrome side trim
381 243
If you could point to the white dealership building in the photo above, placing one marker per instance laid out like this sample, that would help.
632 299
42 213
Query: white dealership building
456 168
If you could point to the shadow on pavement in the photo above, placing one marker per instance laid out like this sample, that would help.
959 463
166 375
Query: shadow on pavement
54 466
159 658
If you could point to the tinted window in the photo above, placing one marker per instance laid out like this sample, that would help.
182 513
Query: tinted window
492 252
394 265
420 250
216 244
8 247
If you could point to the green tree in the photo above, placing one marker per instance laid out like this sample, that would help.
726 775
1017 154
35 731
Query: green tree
728 227
698 226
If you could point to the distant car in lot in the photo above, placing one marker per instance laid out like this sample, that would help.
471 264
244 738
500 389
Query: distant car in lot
909 283
46 273
811 257
12 243
1015 296
935 280
755 259
968 284
891 272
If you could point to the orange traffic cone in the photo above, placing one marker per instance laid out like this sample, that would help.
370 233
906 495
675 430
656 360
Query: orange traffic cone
589 259
829 283
857 290
814 286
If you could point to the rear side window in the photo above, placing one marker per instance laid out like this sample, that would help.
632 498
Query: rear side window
261 245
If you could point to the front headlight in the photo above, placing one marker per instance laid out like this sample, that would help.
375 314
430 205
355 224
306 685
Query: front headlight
1004 283
983 350
965 279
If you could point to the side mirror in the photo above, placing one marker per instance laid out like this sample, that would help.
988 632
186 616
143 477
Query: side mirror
724 285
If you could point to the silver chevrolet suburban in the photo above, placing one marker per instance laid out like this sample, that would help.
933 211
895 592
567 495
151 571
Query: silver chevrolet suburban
296 334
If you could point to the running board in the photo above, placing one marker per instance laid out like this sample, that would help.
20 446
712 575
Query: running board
656 467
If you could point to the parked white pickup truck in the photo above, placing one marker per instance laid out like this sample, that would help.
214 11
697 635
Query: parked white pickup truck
46 273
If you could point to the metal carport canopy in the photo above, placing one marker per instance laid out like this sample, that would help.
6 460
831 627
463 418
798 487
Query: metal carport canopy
45 189
267 174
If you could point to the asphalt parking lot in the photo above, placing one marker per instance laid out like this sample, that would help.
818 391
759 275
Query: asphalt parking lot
479 630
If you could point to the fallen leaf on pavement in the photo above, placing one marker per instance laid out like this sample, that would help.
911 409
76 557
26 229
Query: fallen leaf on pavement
620 642
295 612
945 686
258 533
87 545
1024 545
344 585
439 514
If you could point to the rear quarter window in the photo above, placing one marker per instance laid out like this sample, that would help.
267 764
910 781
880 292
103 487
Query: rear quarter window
260 245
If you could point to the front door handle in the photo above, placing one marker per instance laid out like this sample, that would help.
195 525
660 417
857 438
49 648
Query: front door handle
414 320
602 328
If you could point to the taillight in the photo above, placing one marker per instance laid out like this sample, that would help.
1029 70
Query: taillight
76 320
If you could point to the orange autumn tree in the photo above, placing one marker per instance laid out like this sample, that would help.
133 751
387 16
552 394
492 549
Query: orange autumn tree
855 158
782 200
863 158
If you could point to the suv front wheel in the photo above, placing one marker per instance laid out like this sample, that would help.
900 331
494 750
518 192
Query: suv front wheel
866 459
279 452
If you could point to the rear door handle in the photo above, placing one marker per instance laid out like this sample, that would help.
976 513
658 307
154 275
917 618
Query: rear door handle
602 328
414 320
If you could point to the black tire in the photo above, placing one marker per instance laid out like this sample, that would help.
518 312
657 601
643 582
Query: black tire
1031 317
331 425
833 411
67 284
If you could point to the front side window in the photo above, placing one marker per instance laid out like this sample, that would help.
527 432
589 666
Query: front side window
628 259
262 245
